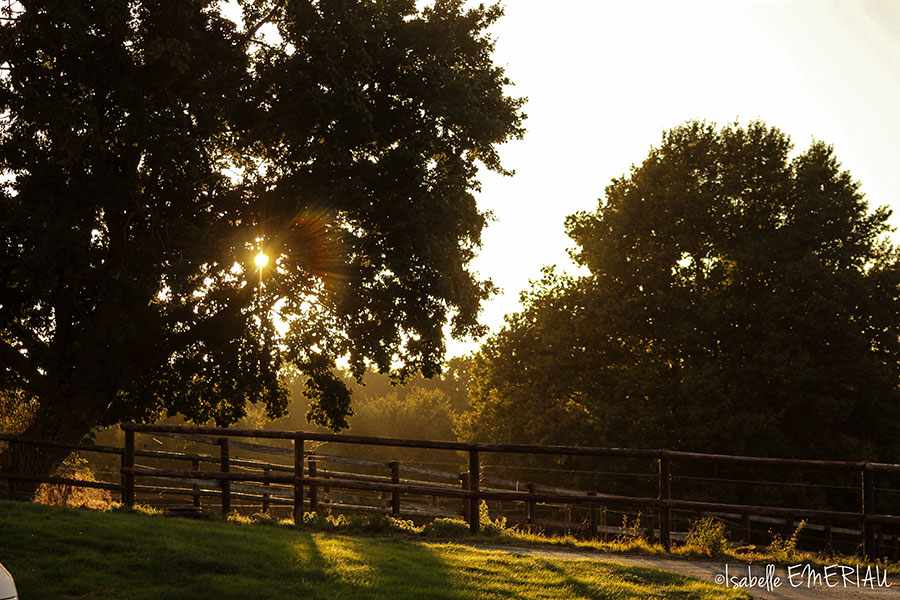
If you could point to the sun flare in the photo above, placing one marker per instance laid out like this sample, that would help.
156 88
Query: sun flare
261 260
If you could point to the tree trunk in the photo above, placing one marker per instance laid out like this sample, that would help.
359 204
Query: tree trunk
65 422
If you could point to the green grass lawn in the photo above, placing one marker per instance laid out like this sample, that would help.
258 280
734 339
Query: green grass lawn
76 553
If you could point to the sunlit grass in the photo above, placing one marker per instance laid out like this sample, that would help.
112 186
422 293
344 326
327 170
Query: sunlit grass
628 541
72 553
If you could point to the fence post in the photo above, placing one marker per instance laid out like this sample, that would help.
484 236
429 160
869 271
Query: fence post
531 507
592 533
265 498
474 477
464 479
127 465
298 479
868 508
313 489
11 484
665 493
226 468
395 495
745 523
195 465
603 522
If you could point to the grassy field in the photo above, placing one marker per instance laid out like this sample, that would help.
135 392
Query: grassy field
76 553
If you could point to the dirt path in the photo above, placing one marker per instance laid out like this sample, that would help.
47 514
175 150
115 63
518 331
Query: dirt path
714 571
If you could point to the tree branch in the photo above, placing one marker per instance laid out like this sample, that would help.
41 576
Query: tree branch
21 365
25 337
248 37
208 326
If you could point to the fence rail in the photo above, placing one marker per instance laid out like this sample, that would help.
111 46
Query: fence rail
285 484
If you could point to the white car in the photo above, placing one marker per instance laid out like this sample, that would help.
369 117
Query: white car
7 586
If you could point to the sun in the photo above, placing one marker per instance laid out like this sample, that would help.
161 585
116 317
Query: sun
261 260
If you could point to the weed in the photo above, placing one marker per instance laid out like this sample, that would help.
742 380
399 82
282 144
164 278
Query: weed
368 523
785 550
630 530
446 528
141 509
253 519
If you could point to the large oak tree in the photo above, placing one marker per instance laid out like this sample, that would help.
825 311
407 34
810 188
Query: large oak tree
150 149
739 299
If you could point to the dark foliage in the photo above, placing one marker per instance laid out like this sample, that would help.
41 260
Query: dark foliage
150 149
739 301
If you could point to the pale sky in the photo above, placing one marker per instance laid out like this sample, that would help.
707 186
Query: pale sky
604 79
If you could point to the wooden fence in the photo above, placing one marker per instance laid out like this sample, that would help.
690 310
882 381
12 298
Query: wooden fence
293 484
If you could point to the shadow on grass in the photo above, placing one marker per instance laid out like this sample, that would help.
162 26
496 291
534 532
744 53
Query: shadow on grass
59 554
375 568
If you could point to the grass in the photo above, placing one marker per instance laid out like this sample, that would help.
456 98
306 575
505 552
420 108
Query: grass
74 553
493 531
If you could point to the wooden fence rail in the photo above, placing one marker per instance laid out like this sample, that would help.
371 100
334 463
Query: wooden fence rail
473 490
663 503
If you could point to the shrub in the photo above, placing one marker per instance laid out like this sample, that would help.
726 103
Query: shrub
314 520
446 528
379 523
486 524
707 536
264 519
61 494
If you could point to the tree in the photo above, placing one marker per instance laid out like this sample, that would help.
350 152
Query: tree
738 300
452 382
151 148
412 412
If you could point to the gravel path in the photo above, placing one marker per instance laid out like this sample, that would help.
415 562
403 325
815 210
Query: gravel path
714 571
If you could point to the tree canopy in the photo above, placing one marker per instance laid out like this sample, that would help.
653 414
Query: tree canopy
151 149
739 300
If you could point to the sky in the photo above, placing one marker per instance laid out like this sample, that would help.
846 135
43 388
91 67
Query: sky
605 78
